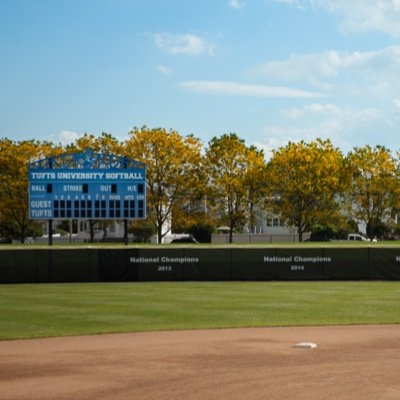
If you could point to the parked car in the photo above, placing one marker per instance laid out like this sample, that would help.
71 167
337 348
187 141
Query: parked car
359 238
185 239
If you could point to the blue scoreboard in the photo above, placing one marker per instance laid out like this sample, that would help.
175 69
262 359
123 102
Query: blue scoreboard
87 186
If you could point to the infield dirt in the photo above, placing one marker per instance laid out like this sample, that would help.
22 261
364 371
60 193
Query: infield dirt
350 362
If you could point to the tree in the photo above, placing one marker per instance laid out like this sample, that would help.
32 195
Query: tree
236 176
14 205
173 170
255 181
201 231
106 144
142 231
305 182
374 188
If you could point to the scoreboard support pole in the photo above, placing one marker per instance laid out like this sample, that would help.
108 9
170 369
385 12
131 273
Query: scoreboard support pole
125 231
50 229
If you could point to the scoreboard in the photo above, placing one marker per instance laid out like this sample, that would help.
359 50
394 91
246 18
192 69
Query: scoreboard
87 193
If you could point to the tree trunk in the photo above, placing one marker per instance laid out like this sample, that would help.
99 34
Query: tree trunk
252 218
159 233
231 232
22 234
369 229
125 232
300 231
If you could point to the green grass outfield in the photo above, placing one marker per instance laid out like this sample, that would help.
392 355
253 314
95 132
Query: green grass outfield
28 311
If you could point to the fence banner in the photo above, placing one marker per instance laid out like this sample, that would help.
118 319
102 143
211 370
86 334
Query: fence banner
158 264
44 261
347 263
165 263
299 264
385 264
253 265
70 266
207 265
18 266
115 266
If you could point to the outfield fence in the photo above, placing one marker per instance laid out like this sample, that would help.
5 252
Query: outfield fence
198 264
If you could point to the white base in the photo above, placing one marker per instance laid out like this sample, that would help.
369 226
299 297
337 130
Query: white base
305 345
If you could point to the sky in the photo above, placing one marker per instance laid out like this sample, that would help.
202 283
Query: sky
271 71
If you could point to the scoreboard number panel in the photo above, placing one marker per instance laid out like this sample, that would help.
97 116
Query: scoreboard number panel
100 187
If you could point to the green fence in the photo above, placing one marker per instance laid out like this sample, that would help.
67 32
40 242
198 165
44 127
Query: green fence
198 264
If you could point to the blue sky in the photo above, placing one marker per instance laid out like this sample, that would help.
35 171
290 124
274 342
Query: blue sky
269 70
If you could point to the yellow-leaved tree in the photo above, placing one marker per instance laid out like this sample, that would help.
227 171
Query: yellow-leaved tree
305 182
236 179
105 143
14 205
375 186
174 170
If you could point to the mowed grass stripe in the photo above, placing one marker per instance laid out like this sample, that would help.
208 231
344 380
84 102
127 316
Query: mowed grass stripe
28 311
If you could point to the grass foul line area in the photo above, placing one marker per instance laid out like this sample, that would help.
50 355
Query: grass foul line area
46 310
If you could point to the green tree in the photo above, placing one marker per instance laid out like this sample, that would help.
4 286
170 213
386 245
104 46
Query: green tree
173 170
305 182
375 189
235 178
142 231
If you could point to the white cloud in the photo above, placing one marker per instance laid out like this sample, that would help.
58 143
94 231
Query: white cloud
164 69
240 89
295 3
365 15
183 44
281 134
359 71
278 137
65 137
332 111
315 108
328 64
396 103
237 3
327 121
358 15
